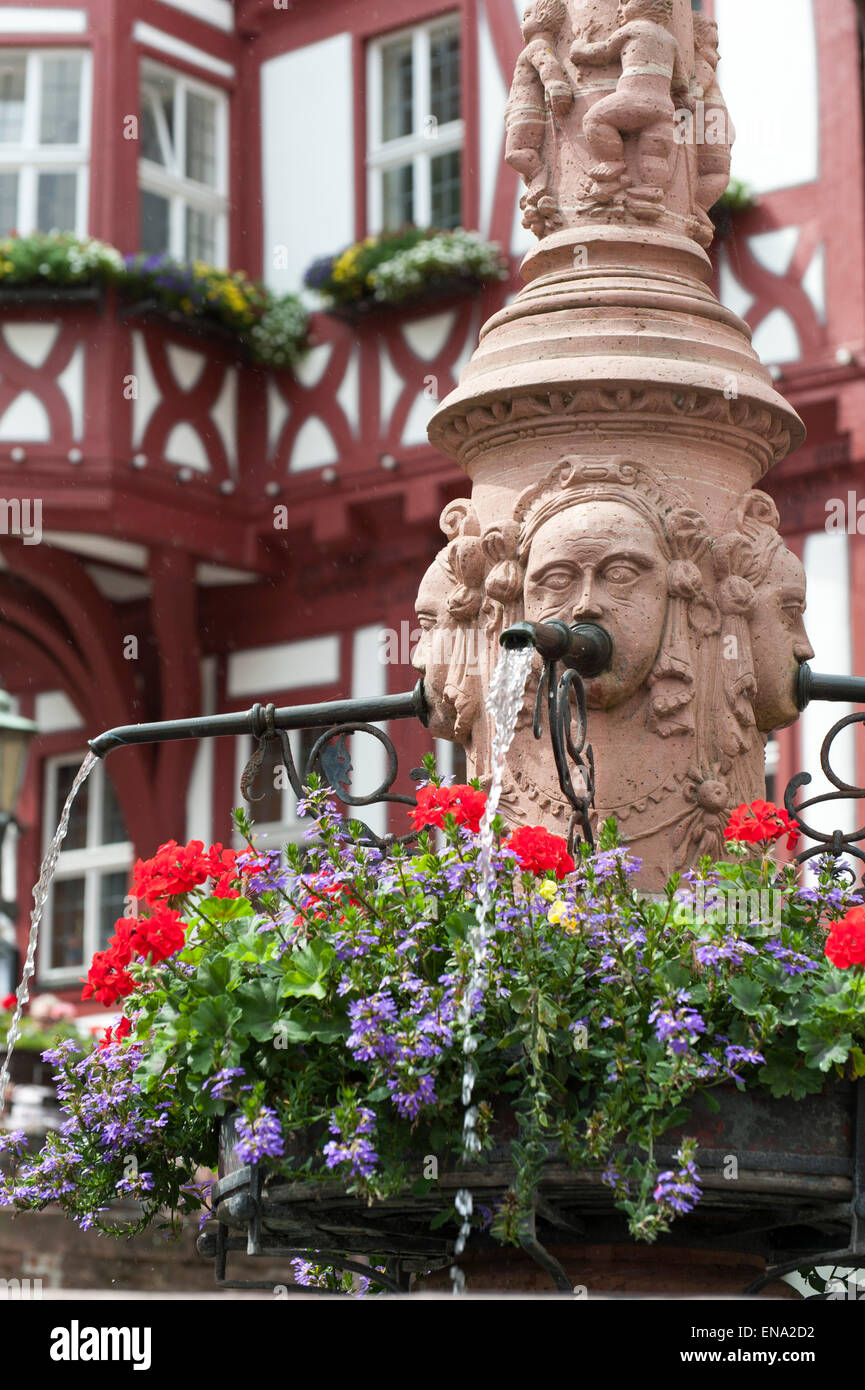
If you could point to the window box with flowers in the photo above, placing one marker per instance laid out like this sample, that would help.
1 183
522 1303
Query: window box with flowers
409 268
224 305
319 1017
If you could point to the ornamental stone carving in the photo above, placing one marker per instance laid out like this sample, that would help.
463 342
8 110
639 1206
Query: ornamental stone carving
615 424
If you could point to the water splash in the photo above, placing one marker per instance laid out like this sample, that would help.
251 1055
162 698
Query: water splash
504 702
40 898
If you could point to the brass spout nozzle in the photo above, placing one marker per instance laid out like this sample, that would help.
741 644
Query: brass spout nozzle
583 647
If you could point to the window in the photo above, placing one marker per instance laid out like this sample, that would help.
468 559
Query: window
44 141
275 815
773 754
92 879
183 172
415 135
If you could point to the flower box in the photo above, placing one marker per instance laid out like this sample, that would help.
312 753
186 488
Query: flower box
196 325
778 1179
431 297
24 296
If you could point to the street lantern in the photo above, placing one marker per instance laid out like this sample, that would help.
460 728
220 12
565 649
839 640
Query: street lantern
15 735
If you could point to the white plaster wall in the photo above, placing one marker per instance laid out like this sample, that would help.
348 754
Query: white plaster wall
27 19
199 794
769 78
827 567
493 95
219 13
307 124
284 666
369 760
55 711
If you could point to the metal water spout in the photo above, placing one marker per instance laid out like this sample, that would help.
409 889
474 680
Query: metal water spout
583 647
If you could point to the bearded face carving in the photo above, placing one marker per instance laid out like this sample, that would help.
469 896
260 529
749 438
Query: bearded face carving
601 562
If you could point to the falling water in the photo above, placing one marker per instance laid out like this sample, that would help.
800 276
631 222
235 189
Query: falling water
504 702
40 897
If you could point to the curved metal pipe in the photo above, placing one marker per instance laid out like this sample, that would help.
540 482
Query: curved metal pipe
255 721
583 647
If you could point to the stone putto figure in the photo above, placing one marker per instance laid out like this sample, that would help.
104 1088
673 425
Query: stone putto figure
540 89
641 106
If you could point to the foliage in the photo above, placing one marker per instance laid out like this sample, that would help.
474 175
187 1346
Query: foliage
47 1022
397 266
317 997
274 330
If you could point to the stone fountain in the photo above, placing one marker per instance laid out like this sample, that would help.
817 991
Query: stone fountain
615 423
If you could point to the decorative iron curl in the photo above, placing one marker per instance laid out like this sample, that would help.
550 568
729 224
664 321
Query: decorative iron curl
330 758
568 743
838 842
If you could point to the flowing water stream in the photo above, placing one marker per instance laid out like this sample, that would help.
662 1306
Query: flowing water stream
504 702
40 897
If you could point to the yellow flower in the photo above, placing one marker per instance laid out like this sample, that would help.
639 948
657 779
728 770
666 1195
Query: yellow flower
548 890
560 916
187 306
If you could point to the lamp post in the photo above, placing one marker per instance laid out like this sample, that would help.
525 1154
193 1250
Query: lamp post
15 735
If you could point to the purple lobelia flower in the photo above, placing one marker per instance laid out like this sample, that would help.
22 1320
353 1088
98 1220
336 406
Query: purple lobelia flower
259 1138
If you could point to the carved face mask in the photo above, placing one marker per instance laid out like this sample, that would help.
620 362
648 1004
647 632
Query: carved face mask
601 562
779 641
433 653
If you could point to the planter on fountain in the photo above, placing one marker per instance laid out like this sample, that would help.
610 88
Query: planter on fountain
783 1188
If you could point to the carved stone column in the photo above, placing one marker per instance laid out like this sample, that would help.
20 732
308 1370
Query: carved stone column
615 422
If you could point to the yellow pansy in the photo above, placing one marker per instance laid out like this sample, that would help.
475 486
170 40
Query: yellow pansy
548 890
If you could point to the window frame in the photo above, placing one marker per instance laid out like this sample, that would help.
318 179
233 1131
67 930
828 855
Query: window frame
418 149
31 158
92 863
180 191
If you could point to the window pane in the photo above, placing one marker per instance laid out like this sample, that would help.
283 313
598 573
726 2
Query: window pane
112 901
8 203
445 75
398 196
201 139
61 96
200 235
397 90
76 837
56 203
13 82
113 829
67 923
447 189
153 231
157 121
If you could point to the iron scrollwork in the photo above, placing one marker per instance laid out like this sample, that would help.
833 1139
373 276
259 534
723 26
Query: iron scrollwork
837 842
329 758
565 697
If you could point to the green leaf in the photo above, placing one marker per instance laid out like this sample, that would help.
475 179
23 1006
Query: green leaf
746 994
260 1008
823 1052
305 969
857 1056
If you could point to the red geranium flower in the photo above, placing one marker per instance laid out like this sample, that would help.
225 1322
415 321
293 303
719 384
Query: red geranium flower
107 980
845 945
159 936
538 851
466 805
8 1002
173 869
761 822
123 1028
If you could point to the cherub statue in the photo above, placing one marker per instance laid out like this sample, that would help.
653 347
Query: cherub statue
642 104
540 85
715 130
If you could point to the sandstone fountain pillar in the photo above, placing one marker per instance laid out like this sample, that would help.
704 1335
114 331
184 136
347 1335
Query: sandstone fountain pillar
615 423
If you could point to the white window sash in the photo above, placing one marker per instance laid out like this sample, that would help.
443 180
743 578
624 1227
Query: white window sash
28 158
91 864
416 149
171 182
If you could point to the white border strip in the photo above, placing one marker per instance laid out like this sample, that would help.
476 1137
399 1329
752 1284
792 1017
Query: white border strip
26 19
177 48
219 13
